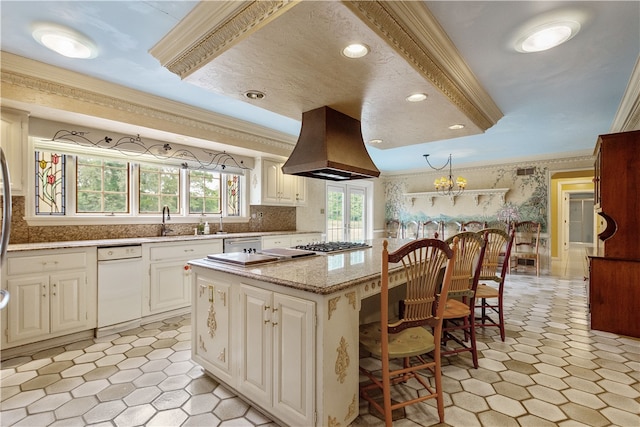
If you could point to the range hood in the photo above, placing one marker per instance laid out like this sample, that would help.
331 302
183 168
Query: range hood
330 147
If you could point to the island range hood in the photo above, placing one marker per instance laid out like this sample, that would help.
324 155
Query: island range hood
330 147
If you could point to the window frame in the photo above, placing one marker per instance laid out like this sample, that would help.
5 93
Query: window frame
134 216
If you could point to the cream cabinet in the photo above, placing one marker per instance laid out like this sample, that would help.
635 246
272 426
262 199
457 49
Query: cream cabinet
212 325
277 360
53 293
270 186
289 240
13 140
168 285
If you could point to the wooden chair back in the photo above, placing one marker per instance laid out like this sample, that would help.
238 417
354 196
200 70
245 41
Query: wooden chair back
392 228
497 253
467 268
473 225
423 263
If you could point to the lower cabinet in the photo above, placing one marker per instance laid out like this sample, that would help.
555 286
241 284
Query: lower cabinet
53 293
169 279
260 342
277 337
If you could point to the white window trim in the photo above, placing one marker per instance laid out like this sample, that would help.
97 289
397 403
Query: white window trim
133 218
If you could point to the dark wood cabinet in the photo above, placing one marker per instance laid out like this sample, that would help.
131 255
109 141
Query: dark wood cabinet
617 193
614 287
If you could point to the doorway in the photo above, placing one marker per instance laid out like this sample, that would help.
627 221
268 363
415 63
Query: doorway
348 212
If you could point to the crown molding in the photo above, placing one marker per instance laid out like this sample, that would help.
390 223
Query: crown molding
411 29
628 115
29 81
210 29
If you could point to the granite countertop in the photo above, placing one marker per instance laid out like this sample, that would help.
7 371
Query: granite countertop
140 240
321 274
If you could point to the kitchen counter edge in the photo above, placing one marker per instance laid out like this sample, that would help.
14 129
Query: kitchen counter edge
139 240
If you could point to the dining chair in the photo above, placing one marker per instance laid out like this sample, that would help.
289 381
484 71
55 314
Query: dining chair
459 312
473 225
410 230
502 225
526 245
392 229
429 229
495 265
426 266
449 228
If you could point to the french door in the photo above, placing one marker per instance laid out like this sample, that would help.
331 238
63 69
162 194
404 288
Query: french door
346 212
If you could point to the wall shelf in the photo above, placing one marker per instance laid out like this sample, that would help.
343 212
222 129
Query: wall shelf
431 195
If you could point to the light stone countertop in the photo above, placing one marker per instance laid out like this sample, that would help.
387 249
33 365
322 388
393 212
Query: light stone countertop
320 274
139 240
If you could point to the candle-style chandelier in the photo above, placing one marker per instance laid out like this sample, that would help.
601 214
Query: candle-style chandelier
446 186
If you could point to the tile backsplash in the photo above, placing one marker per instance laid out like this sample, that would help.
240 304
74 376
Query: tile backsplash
262 218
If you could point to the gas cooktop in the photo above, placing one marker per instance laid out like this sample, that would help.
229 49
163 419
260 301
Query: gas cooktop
330 247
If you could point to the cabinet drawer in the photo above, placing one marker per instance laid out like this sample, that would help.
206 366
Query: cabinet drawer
305 239
184 250
46 263
276 242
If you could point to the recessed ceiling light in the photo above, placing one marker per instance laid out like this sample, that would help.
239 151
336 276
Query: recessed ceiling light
547 36
355 50
254 94
456 126
416 97
375 141
64 40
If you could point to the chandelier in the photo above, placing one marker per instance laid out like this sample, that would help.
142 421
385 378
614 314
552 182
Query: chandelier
446 186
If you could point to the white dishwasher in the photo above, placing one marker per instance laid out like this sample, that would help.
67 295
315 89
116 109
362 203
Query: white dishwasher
119 288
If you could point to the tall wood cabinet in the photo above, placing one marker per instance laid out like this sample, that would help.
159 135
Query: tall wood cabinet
614 288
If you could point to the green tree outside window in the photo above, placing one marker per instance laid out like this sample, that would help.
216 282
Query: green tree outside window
102 186
159 186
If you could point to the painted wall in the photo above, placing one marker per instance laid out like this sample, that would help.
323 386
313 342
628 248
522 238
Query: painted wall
528 197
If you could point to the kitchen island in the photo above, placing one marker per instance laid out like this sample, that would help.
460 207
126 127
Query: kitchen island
284 335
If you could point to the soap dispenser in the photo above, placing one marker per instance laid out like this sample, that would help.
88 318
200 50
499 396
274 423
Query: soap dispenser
206 227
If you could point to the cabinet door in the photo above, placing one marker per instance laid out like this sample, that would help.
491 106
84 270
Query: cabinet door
170 283
68 299
14 130
28 309
287 195
271 177
256 332
300 194
213 325
294 359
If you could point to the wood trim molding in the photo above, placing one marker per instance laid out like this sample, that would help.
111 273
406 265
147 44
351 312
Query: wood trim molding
25 81
628 115
411 29
212 28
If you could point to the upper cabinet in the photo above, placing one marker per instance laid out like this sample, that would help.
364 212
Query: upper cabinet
617 179
270 186
13 140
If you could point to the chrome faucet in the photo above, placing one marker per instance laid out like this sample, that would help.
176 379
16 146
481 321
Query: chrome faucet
163 228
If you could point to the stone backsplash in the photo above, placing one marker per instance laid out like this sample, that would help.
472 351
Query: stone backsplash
262 218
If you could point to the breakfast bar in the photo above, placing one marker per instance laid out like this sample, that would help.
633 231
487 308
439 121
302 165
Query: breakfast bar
283 334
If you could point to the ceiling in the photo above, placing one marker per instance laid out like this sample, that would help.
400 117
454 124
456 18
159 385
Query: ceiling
515 106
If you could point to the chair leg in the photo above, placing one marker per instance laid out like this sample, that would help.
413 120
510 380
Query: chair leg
501 319
472 330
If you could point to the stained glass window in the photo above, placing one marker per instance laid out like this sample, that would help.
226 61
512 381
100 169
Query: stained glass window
50 183
233 195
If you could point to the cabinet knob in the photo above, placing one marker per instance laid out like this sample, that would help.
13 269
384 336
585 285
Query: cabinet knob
274 324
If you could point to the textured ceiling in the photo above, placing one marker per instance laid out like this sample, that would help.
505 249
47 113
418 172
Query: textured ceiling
554 103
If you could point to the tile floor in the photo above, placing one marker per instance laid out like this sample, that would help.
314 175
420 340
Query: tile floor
551 370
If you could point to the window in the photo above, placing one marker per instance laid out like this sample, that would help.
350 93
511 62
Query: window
159 186
109 187
102 186
50 183
204 192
